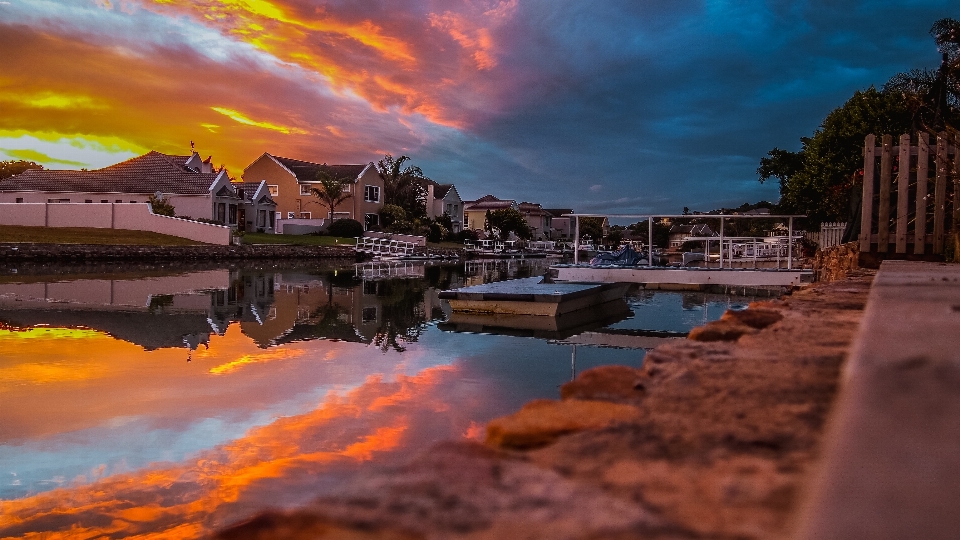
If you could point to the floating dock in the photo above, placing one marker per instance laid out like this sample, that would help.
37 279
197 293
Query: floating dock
685 278
531 296
561 327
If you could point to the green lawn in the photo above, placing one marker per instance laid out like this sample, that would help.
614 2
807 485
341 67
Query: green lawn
444 245
84 235
297 239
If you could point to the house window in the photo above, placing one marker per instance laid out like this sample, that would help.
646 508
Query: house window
88 201
222 212
291 215
368 314
306 189
19 199
304 215
54 201
104 201
371 194
118 201
133 202
233 214
274 190
346 188
371 220
273 219
262 218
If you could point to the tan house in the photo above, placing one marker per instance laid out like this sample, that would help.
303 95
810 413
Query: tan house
475 212
290 183
539 220
561 223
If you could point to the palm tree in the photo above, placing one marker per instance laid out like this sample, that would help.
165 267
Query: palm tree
403 187
331 190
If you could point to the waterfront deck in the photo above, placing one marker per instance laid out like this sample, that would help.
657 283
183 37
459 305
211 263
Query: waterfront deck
683 278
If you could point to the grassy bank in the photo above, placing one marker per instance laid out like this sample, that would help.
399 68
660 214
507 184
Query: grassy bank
85 235
297 239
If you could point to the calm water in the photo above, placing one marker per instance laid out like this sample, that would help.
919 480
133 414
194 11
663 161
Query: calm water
169 403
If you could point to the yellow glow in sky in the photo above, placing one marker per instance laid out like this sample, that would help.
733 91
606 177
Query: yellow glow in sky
242 119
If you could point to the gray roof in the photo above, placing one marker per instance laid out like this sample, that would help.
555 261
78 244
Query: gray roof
439 190
487 202
146 174
250 189
692 230
306 171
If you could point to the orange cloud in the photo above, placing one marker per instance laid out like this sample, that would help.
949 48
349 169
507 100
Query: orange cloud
336 83
178 501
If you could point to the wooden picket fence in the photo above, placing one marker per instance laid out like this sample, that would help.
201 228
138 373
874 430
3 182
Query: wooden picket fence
900 212
830 234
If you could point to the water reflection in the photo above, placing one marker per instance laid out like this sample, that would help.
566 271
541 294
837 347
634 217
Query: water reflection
166 404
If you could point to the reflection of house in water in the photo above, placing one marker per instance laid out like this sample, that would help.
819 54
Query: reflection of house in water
153 312
346 307
272 307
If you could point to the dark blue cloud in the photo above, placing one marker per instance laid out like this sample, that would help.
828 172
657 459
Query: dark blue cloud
672 104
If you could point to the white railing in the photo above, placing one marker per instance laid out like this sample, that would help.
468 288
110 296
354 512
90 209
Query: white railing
385 247
831 234
744 248
388 270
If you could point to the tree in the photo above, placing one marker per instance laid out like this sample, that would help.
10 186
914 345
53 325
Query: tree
933 96
661 232
331 191
403 186
502 222
13 168
161 206
391 214
592 227
819 179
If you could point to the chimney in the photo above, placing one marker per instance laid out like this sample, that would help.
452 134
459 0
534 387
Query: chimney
430 210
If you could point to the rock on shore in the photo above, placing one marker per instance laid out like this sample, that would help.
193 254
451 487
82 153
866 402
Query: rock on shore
712 438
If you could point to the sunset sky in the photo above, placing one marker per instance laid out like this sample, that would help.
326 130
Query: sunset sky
619 106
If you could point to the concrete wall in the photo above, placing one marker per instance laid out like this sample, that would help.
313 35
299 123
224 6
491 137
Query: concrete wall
135 217
71 196
300 226
195 206
28 214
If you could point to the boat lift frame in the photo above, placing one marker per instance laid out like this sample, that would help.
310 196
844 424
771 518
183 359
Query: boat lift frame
650 218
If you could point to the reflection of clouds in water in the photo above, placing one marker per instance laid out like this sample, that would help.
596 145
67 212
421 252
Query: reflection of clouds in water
178 501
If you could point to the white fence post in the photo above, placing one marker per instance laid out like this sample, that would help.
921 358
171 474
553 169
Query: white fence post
831 234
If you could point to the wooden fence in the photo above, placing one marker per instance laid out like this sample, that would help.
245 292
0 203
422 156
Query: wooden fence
900 212
830 234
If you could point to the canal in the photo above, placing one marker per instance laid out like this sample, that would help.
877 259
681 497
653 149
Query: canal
168 402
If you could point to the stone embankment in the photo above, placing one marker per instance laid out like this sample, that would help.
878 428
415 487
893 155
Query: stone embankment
713 438
84 252
836 262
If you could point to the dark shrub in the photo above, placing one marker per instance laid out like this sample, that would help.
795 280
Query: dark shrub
345 228
437 232
467 234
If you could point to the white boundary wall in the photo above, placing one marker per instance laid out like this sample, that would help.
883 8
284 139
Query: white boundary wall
134 217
